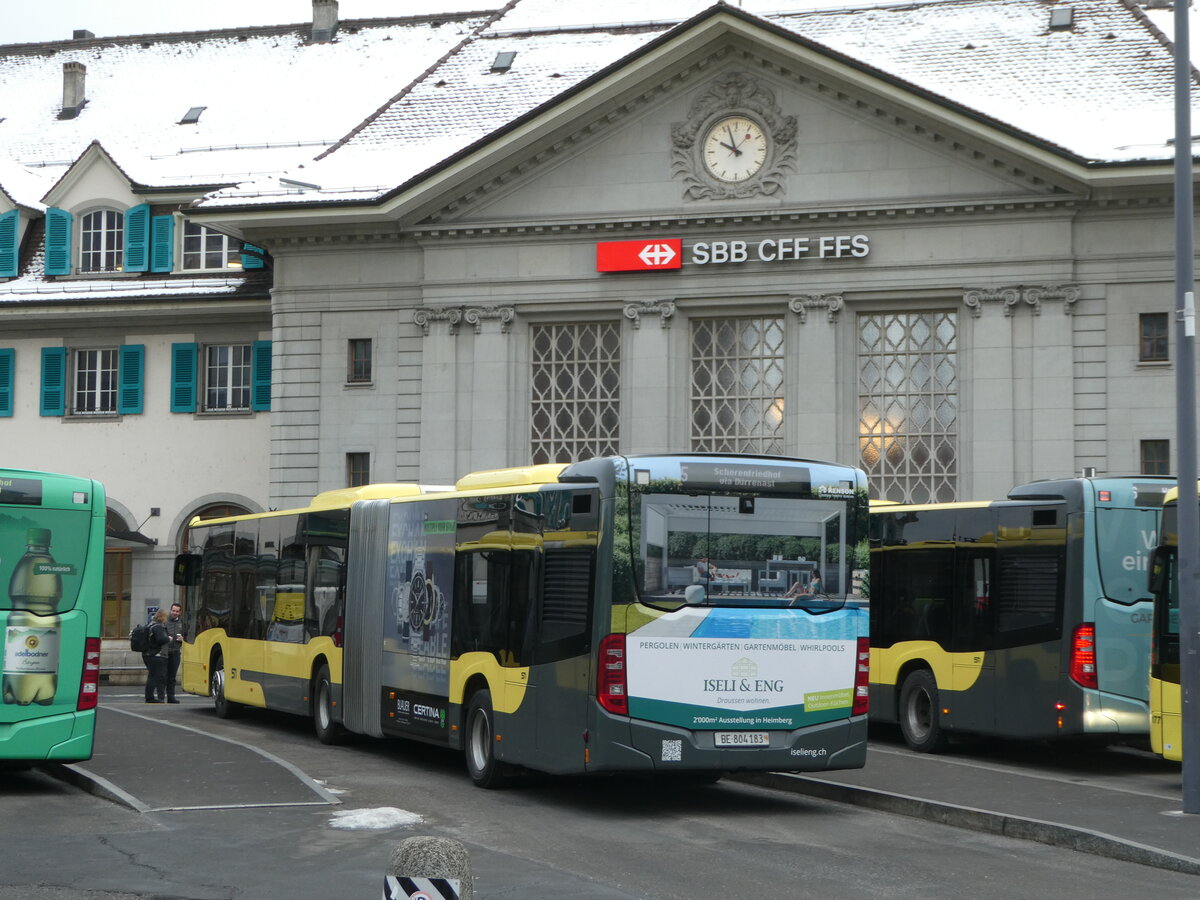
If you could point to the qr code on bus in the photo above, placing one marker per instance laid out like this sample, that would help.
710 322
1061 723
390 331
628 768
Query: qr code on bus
672 751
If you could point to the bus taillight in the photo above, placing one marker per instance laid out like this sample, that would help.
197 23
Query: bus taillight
862 678
1083 656
337 633
610 677
89 681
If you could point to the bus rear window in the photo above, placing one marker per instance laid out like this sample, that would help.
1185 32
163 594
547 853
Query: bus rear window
42 552
1125 538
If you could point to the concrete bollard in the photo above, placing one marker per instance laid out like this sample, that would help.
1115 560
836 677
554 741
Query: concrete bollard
430 868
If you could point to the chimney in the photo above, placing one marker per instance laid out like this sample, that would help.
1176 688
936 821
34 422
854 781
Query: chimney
73 97
325 20
82 34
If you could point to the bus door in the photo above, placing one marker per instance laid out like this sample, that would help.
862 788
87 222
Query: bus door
974 665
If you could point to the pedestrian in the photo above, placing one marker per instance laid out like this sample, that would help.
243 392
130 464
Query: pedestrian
177 631
156 658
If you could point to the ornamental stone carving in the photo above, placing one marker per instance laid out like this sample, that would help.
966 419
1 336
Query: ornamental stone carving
475 315
452 315
732 94
664 308
1028 295
802 303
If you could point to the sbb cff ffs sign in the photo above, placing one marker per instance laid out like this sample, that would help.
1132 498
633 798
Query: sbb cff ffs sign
632 256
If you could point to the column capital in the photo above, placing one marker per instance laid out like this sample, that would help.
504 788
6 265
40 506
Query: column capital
663 308
802 303
423 316
476 314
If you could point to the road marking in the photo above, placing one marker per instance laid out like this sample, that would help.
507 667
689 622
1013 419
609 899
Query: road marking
328 798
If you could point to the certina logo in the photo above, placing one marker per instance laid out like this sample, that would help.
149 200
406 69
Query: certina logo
743 680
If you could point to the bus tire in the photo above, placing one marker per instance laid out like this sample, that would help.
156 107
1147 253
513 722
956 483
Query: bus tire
919 708
329 730
483 767
223 707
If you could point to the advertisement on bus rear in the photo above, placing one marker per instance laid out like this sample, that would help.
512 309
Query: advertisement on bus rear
721 670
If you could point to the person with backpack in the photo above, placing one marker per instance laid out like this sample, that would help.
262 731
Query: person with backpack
155 658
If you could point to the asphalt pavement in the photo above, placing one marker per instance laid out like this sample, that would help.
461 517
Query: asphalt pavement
1121 803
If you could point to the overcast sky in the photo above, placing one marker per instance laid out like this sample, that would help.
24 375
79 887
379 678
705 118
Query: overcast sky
56 20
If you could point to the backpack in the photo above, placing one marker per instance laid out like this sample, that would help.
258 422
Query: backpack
139 638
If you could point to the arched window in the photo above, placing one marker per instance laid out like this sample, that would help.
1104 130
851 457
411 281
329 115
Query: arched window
102 241
212 511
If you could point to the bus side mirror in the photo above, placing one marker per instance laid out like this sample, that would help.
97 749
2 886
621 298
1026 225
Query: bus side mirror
1158 571
187 569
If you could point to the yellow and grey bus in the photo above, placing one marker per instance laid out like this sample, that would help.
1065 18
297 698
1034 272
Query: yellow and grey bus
1166 695
691 614
1022 618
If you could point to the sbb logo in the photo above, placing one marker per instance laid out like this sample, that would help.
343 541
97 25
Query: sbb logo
630 256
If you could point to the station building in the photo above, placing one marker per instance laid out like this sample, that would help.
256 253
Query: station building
932 238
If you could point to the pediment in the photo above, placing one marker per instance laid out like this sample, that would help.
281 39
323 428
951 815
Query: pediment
831 147
94 178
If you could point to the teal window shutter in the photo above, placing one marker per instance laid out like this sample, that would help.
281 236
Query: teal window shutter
137 238
183 377
260 359
8 243
162 243
251 261
58 242
7 359
131 366
54 381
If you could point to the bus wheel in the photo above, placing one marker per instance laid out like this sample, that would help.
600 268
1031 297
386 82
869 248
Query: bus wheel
485 770
225 709
919 713
328 729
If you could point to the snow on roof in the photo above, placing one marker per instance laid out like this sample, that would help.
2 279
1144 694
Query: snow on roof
1101 89
23 186
271 98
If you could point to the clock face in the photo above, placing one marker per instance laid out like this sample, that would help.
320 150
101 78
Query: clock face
734 149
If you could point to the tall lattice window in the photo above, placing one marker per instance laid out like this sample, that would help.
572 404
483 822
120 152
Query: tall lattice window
576 382
95 381
908 405
737 385
102 241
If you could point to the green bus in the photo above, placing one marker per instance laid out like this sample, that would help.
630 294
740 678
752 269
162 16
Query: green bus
52 573
1023 618
667 614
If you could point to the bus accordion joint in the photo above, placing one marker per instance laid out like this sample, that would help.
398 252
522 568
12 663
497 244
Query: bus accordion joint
611 676
1083 656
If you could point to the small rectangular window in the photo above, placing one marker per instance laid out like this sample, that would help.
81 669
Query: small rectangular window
1152 341
358 469
227 373
204 248
1156 457
95 382
359 361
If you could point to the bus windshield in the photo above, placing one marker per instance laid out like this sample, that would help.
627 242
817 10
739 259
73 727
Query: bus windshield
717 549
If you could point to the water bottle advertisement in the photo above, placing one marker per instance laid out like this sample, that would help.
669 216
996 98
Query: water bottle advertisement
40 576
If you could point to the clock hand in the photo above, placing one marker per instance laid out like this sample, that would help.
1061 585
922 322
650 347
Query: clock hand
733 141
735 150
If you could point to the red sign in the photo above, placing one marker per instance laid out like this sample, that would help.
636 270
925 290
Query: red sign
630 256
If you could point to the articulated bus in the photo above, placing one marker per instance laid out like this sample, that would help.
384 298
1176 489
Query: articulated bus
1166 695
1023 618
640 614
52 566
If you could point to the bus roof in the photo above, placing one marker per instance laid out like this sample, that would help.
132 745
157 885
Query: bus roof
518 476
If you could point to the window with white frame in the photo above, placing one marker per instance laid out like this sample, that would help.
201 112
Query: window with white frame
737 385
204 248
227 377
575 387
908 405
95 381
102 241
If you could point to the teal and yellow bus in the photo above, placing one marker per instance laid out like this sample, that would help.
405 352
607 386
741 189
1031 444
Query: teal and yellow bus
691 614
52 575
1023 618
1166 695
